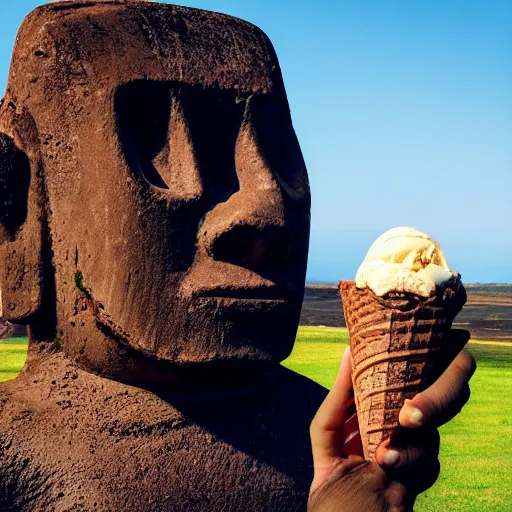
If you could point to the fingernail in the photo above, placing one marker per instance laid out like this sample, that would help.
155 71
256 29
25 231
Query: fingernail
391 457
415 416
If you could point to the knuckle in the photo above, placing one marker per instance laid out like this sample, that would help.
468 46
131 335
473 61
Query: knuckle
462 366
465 363
420 468
431 405
411 455
318 424
313 426
459 365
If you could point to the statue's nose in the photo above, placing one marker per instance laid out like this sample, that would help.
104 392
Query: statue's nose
250 246
249 229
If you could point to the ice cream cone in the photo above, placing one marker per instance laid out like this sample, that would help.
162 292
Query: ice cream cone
395 341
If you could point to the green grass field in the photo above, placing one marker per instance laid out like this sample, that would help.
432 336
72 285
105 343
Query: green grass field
476 449
13 352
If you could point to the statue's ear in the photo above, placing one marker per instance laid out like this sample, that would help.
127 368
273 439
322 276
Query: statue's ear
21 217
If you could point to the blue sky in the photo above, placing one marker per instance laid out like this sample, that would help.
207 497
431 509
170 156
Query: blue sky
404 114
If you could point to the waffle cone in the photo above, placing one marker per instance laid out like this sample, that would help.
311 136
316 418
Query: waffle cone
395 343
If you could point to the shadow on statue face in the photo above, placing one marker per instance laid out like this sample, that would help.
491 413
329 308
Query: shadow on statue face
218 244
178 206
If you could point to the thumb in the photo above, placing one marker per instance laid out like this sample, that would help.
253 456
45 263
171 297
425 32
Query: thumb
326 430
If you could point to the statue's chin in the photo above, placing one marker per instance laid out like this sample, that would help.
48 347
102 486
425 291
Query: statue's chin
221 332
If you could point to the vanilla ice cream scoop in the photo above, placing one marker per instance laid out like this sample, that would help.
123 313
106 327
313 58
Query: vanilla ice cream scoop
404 260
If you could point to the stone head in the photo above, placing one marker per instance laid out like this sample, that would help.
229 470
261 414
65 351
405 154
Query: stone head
154 199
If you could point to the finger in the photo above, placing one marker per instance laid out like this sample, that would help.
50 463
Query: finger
419 477
444 399
331 415
407 447
398 498
326 430
412 458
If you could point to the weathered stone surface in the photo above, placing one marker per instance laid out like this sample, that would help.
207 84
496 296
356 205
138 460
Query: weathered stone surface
154 232
74 441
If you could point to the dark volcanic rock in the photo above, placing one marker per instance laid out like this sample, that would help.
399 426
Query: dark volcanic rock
75 441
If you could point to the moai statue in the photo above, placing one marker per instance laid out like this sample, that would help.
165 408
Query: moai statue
154 232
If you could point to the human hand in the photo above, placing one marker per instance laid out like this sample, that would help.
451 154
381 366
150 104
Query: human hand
407 463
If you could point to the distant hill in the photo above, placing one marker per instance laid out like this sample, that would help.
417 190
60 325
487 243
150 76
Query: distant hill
487 313
8 330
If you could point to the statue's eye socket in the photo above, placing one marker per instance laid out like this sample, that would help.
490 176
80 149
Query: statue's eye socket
148 111
143 111
277 141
